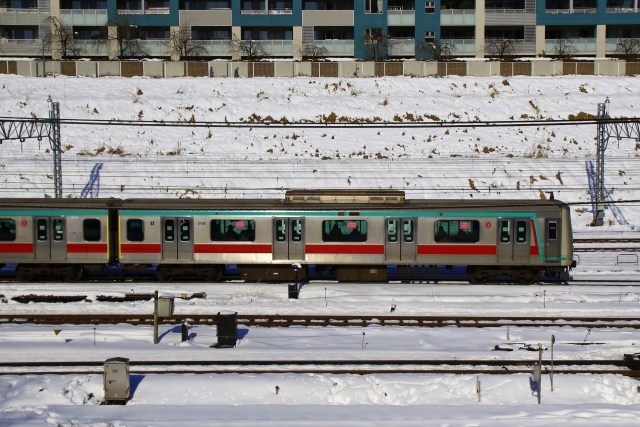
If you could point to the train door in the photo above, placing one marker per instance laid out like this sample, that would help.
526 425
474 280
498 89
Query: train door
400 240
514 240
50 239
177 239
552 240
288 239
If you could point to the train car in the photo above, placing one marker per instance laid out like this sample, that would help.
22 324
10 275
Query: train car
355 234
56 238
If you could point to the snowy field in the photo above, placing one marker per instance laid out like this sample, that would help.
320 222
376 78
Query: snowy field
453 163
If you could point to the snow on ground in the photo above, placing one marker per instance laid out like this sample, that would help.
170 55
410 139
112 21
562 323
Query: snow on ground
453 163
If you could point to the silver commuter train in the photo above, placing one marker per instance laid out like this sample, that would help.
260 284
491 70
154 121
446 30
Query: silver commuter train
355 235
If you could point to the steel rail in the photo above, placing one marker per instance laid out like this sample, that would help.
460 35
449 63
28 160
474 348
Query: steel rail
277 320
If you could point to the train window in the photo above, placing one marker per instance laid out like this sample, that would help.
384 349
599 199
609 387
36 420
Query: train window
7 230
457 231
58 229
233 230
344 231
42 228
91 230
521 231
296 230
135 230
407 230
505 231
553 230
169 230
185 230
392 230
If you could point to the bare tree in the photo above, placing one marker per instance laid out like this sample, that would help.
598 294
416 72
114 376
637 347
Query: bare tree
564 48
501 48
183 43
250 49
60 37
628 48
312 52
437 50
127 36
377 43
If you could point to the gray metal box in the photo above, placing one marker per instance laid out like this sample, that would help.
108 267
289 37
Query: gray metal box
116 380
165 306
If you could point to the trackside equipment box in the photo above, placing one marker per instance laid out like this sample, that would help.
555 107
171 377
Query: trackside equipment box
116 380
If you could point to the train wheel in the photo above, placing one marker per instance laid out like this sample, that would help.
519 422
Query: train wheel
212 274
70 274
24 274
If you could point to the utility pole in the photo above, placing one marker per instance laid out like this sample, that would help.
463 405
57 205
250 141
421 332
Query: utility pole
56 147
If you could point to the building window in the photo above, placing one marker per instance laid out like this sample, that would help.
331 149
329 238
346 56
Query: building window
373 6
344 231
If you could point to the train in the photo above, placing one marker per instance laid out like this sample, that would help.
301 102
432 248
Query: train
348 235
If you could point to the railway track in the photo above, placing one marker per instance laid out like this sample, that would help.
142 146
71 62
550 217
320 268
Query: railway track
614 244
624 367
277 320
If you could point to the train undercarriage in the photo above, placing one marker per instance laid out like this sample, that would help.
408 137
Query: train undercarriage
211 273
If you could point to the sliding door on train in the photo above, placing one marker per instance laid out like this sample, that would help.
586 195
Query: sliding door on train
400 240
288 239
177 239
552 240
514 240
50 239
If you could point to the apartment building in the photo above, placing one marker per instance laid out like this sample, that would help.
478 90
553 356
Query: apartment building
360 29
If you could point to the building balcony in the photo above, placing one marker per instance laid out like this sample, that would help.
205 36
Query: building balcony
155 47
217 47
582 46
622 10
580 10
509 17
91 47
401 17
611 44
336 47
458 17
266 12
278 47
462 46
326 18
402 47
22 47
22 16
84 17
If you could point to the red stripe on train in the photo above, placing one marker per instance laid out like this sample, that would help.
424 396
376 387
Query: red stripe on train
534 250
457 250
345 249
232 249
16 248
140 248
86 248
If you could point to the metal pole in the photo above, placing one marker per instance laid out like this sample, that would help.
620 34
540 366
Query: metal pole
155 317
553 341
54 140
602 141
540 372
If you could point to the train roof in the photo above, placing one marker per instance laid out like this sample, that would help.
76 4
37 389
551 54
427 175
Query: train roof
299 199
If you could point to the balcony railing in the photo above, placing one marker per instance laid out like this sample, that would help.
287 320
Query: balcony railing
336 47
266 12
157 11
612 44
402 47
577 10
216 47
155 47
278 47
91 47
84 17
621 10
30 47
130 12
582 46
458 17
462 45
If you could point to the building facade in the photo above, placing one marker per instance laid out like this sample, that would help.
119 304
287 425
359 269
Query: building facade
297 29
